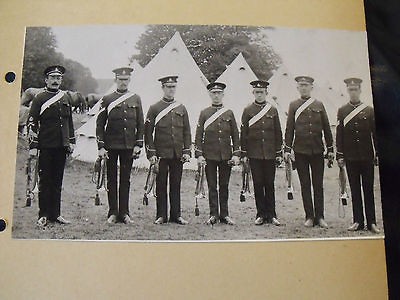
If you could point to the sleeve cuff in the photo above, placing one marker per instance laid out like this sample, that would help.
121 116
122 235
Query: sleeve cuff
287 148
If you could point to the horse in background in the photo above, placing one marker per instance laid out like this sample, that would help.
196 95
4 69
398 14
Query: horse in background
92 99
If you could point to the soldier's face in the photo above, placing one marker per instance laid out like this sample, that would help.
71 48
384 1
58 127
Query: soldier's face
304 89
260 94
354 93
169 90
216 96
122 83
53 81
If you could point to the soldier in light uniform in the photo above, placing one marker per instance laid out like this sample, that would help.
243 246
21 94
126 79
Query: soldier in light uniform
51 130
307 121
119 131
168 141
356 148
261 142
217 142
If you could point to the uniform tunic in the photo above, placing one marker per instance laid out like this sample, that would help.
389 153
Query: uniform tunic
119 130
51 132
169 139
356 143
262 143
217 143
304 136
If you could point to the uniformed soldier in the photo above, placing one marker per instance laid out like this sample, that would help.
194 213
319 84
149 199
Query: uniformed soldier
356 147
119 131
261 143
170 146
51 131
217 146
307 120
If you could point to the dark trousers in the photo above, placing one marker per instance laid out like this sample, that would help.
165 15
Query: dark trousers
172 167
316 163
362 172
218 199
51 173
119 208
263 172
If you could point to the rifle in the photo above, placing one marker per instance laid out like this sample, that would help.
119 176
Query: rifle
99 177
289 167
150 183
199 193
32 170
246 174
343 196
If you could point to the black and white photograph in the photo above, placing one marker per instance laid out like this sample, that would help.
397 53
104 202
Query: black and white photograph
196 133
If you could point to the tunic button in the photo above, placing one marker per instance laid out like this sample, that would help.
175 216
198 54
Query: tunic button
125 111
220 131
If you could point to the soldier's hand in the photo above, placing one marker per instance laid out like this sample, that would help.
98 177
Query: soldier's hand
278 160
341 162
331 156
287 156
245 159
103 153
201 160
71 148
136 151
185 158
376 160
235 160
153 160
33 152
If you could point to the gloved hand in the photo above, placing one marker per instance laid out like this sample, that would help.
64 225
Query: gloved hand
103 153
33 152
287 156
185 158
235 160
341 162
153 160
376 160
201 160
71 148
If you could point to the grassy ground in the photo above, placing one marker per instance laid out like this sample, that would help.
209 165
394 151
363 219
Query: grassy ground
89 221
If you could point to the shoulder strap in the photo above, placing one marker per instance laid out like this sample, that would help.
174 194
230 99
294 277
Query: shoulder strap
353 113
118 101
302 108
260 114
165 111
51 101
214 117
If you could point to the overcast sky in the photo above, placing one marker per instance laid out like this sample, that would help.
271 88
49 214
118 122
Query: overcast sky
328 55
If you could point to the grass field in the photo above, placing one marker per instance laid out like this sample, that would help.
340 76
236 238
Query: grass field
89 221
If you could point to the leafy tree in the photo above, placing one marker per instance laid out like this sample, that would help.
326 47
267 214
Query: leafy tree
40 52
213 47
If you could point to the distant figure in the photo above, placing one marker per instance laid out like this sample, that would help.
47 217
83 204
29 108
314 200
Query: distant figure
307 121
92 99
119 131
356 148
51 130
217 147
168 141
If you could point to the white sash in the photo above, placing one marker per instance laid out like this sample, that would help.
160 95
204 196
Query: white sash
260 114
214 117
165 111
355 112
51 101
302 108
118 101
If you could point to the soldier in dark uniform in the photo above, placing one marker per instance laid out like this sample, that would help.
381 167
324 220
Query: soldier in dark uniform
261 142
170 146
307 120
217 142
356 147
119 131
51 130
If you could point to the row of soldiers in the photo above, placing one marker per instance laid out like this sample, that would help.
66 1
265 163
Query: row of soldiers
122 132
